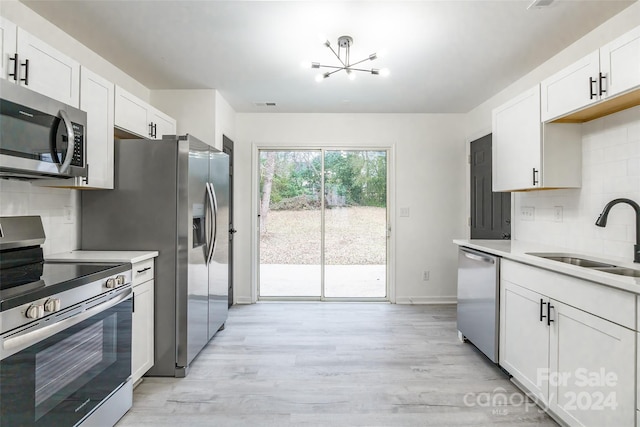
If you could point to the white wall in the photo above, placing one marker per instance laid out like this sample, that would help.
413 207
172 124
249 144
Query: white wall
225 121
57 207
429 165
610 169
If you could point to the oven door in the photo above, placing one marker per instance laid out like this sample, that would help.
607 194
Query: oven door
39 136
61 379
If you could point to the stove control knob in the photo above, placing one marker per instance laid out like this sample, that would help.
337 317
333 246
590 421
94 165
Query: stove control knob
52 305
111 283
120 280
35 311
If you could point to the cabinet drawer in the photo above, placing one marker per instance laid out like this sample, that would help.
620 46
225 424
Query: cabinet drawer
143 271
609 303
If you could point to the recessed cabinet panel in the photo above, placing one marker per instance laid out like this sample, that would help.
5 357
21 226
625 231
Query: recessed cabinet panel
7 48
620 63
131 113
572 88
164 125
517 139
142 358
49 71
593 362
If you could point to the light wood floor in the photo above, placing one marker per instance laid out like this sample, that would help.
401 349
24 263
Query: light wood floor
336 364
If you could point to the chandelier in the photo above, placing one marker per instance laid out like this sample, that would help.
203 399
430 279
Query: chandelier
344 56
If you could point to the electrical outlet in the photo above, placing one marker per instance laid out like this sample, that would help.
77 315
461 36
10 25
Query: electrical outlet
527 213
557 213
404 212
68 215
425 275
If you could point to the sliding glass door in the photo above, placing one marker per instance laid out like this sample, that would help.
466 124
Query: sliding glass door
323 224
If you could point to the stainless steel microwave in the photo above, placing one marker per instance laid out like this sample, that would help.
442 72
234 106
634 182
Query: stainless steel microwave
39 136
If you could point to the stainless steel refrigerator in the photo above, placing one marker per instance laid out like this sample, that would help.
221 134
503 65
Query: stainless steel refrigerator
170 195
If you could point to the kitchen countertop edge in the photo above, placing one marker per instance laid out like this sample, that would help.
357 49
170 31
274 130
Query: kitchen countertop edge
103 256
519 251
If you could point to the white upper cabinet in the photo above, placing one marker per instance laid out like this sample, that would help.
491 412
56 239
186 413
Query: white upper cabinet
8 65
46 70
97 99
620 63
138 117
516 142
528 155
575 87
595 82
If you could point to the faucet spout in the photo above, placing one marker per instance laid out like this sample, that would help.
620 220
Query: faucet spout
602 222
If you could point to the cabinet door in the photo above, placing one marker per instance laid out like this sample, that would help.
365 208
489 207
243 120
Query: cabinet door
97 99
143 330
593 361
524 338
164 125
131 113
49 71
516 151
572 88
620 63
7 48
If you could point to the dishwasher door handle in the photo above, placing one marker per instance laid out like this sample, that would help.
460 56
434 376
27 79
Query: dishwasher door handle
480 258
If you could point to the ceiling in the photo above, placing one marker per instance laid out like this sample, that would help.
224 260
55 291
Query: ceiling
443 56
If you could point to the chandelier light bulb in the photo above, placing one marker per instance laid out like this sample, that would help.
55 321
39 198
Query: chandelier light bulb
306 64
319 77
384 72
351 75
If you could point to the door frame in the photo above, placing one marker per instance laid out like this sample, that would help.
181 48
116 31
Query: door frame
255 209
227 146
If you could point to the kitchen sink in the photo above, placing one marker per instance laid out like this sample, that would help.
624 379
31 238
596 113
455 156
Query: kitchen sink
568 259
622 271
590 264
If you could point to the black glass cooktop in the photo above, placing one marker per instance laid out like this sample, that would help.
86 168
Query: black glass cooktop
22 284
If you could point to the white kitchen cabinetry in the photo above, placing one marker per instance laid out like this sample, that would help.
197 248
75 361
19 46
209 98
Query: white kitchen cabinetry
7 47
529 155
571 343
142 347
46 70
136 116
594 80
96 99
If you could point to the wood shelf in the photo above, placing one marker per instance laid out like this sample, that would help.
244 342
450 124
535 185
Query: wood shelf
603 108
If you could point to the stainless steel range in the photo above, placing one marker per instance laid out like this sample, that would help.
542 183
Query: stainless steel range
65 335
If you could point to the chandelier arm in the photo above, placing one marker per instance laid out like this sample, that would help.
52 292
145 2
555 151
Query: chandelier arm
337 56
335 71
331 66
361 69
359 62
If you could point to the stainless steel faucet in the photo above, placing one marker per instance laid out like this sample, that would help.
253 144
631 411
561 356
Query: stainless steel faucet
602 222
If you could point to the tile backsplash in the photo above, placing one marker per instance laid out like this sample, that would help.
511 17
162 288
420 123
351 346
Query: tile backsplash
59 209
610 169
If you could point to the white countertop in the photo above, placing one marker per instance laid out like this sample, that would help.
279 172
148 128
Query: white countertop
519 251
103 256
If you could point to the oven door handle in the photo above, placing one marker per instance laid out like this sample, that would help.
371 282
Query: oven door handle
15 344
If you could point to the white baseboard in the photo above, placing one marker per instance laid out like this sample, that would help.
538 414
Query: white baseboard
427 300
243 300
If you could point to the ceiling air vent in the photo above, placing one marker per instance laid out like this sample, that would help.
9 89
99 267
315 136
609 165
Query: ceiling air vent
539 4
264 104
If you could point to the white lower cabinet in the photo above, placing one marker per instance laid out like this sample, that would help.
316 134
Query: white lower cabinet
142 348
579 365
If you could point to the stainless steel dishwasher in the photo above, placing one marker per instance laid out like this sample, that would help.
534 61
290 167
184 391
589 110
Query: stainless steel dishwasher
478 297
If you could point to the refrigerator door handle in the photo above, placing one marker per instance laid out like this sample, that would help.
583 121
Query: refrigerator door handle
214 221
211 237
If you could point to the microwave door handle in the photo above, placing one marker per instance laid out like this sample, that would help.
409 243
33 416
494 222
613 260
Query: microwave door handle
211 201
62 168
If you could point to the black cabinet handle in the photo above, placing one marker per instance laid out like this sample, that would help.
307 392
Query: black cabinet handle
26 72
15 67
151 129
133 302
549 320
542 304
143 270
535 177
592 94
600 83
155 130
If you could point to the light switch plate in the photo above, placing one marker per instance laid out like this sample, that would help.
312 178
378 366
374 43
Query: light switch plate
557 213
527 213
404 212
